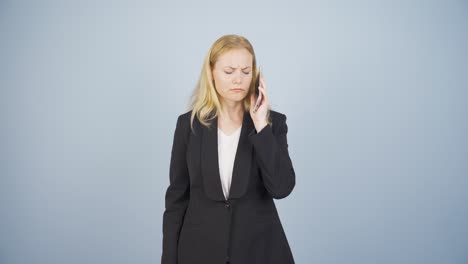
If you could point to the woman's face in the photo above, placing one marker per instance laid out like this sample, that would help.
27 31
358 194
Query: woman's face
232 75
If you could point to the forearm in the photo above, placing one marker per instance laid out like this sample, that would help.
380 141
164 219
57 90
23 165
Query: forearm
273 158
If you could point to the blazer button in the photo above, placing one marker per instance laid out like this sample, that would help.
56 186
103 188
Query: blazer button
227 206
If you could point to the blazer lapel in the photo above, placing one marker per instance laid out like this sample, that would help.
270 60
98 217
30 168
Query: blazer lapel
210 164
242 163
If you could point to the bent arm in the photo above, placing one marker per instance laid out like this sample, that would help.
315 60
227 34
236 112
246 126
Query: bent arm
273 157
177 195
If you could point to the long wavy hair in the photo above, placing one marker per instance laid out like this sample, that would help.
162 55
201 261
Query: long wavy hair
204 102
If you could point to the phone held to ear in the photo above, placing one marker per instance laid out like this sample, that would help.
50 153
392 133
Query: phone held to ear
257 91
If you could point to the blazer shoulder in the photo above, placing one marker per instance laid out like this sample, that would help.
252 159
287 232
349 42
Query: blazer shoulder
184 122
275 115
185 115
277 119
182 129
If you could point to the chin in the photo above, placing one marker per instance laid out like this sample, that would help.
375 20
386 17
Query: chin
238 99
241 98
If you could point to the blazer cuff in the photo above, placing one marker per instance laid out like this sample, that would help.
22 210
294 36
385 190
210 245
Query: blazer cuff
264 136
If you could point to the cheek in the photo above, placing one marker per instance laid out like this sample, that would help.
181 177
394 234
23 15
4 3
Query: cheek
223 82
249 78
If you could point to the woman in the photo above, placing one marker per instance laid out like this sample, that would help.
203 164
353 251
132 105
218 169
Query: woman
228 162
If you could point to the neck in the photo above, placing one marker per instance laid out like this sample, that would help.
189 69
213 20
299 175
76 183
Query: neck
233 111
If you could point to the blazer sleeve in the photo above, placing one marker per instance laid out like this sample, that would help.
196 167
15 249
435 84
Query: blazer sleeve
177 194
271 148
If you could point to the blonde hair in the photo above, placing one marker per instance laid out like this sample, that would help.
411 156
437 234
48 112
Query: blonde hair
205 103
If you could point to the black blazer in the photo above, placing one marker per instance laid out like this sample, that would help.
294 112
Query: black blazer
200 226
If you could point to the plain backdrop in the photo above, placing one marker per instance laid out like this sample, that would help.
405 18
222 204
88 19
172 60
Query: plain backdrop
375 94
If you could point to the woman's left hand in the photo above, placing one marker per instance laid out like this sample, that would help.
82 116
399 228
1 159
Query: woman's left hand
259 117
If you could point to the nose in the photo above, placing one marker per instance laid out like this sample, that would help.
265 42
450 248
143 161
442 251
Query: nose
237 78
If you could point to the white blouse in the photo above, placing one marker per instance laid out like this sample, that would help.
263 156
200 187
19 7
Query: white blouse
227 148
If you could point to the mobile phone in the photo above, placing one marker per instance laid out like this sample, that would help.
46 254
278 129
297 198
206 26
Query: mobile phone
257 83
257 91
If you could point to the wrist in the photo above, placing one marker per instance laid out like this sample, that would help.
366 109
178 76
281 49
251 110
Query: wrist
260 126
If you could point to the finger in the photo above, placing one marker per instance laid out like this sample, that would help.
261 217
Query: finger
263 90
262 82
253 101
262 99
262 85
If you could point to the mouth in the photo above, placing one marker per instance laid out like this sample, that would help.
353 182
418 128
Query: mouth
237 89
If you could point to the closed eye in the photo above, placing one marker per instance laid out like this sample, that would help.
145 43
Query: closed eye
232 72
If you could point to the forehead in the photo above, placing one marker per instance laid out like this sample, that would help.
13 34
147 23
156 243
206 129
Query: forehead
235 58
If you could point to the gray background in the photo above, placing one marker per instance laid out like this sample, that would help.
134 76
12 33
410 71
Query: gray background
374 93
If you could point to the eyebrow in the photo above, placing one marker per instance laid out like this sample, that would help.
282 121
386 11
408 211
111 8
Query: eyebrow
236 68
